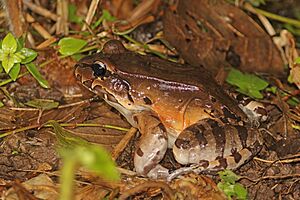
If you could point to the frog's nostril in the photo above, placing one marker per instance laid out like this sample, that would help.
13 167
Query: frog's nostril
87 83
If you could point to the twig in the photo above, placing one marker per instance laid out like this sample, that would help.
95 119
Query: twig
123 143
274 16
293 159
40 10
91 13
38 27
288 176
62 21
145 186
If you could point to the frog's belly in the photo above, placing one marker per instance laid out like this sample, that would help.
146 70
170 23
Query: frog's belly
178 119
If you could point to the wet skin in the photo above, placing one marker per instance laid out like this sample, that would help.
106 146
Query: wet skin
174 106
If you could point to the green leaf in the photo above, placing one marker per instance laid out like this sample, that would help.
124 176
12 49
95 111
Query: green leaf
1 68
29 55
20 43
44 104
297 60
9 44
77 56
272 89
2 55
69 46
247 84
72 14
293 101
240 191
9 60
92 157
228 176
14 72
37 75
105 16
227 188
1 104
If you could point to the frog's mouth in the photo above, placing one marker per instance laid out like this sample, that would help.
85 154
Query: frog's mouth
85 75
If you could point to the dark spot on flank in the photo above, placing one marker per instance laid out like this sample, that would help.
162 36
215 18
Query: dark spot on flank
228 114
139 152
162 127
182 144
219 135
243 135
198 130
236 155
130 98
147 101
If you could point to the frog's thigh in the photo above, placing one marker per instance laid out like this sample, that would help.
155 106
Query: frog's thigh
152 145
215 146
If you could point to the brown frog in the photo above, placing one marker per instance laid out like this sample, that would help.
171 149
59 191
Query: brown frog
173 105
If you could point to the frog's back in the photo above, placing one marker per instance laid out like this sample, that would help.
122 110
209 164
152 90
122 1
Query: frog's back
191 76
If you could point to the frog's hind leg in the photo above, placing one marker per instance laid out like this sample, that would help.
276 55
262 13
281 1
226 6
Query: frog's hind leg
214 146
152 146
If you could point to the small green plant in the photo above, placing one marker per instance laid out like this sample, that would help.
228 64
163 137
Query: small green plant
106 16
76 152
72 14
247 84
229 186
297 60
13 54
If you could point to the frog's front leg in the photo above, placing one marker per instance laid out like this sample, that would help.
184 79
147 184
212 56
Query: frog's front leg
152 146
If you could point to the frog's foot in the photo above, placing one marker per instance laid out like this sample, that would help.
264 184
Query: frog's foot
216 146
152 147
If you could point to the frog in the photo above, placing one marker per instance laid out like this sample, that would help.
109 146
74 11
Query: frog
174 106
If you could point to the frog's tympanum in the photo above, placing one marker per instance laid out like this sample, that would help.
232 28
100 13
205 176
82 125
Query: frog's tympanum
173 106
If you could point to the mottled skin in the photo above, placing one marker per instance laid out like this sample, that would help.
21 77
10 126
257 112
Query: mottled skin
173 105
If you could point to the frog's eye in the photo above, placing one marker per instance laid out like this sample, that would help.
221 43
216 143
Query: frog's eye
99 68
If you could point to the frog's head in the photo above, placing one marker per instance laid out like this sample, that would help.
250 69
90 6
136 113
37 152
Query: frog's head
102 76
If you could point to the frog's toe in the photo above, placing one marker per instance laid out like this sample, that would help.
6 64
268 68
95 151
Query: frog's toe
158 172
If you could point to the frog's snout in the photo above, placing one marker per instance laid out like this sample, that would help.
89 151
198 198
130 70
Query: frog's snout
84 74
